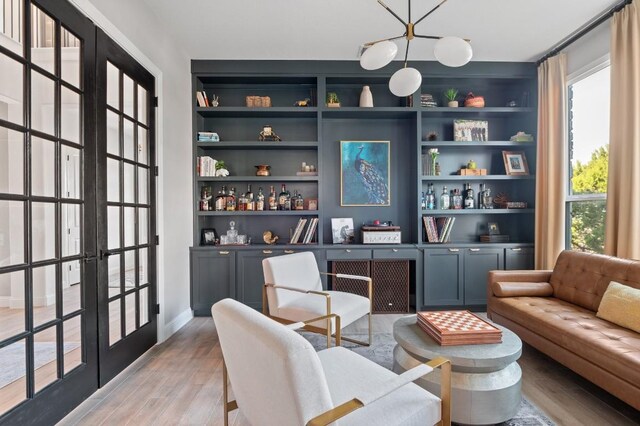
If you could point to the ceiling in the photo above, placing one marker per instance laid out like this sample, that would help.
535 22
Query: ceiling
500 30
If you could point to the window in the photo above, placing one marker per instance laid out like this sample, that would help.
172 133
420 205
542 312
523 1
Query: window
589 100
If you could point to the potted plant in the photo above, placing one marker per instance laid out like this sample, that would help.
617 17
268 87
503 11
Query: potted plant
451 95
332 100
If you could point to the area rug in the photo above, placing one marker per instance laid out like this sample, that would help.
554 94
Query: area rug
381 352
12 358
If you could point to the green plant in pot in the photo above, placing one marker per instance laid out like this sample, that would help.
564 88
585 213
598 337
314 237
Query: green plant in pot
332 100
451 95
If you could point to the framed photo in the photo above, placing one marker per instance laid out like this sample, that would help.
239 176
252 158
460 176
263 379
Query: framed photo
364 173
470 130
515 163
492 228
342 230
208 237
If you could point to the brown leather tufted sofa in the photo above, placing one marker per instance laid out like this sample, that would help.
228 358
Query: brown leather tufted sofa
555 311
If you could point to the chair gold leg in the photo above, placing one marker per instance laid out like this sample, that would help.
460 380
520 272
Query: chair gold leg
225 393
370 341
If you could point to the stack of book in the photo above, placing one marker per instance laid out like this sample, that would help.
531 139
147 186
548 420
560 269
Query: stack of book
438 228
206 166
449 328
426 100
308 234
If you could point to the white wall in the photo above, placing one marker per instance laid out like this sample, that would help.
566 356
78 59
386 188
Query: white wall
136 28
590 48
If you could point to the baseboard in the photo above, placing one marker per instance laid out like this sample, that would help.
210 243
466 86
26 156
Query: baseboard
4 301
177 323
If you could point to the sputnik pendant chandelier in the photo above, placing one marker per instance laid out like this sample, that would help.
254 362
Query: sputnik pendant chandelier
449 51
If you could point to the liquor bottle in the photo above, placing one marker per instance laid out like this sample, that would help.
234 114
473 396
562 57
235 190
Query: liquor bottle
423 202
481 195
273 200
431 198
457 199
445 199
284 199
231 200
260 200
469 198
251 202
241 202
298 201
205 199
221 199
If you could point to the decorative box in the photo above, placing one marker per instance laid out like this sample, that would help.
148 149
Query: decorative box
472 172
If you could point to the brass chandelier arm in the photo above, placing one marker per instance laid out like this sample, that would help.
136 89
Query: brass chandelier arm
468 40
406 53
392 12
371 43
429 12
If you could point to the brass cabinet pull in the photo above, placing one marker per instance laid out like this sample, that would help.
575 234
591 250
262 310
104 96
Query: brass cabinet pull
395 250
289 251
348 250
474 249
454 250
267 251
224 253
516 249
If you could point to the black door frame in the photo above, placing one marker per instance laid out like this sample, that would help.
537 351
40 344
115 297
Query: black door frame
60 397
114 359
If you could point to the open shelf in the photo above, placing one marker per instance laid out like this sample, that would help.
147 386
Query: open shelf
258 145
452 212
260 213
475 144
292 112
465 111
258 179
375 112
474 178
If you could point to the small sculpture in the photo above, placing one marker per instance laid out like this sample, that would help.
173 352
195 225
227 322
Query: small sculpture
215 101
267 134
269 237
221 169
303 103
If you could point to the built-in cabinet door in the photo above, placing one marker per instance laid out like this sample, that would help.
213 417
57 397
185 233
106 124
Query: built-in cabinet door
250 278
212 277
443 272
518 258
477 263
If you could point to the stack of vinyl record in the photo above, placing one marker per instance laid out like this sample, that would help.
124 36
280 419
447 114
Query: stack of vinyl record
426 100
450 328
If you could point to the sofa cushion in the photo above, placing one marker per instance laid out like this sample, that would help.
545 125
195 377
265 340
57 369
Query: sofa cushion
621 305
611 347
515 289
582 278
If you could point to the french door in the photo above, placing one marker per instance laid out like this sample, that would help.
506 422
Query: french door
48 300
77 210
126 214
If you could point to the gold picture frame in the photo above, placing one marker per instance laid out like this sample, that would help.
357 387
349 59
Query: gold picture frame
515 163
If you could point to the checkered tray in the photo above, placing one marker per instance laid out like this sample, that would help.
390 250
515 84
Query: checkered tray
450 328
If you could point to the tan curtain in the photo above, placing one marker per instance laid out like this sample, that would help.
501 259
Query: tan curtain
551 169
622 237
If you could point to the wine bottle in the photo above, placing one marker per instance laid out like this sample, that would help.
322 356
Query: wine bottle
431 198
260 200
221 200
231 200
423 202
284 199
251 202
445 199
273 199
469 198
298 201
457 199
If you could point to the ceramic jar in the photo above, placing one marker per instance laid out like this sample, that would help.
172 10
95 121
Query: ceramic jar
366 98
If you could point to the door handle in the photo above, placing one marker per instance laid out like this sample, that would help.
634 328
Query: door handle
267 251
394 250
454 250
106 253
289 251
89 257
348 250
224 253
474 249
516 249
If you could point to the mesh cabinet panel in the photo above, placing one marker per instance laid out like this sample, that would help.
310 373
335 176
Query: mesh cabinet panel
390 282
390 286
352 267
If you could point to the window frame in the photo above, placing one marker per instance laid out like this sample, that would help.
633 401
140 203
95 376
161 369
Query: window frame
569 198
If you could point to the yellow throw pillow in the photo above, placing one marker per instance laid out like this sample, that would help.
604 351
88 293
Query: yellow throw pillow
621 305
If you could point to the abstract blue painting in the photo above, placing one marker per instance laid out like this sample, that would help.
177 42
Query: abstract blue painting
364 173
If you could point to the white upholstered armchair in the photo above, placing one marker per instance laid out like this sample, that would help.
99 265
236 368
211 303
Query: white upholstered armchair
293 292
278 379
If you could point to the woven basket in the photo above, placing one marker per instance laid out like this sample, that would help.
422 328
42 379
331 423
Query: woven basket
473 101
258 101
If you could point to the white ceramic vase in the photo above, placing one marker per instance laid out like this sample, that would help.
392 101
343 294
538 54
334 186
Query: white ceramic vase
366 98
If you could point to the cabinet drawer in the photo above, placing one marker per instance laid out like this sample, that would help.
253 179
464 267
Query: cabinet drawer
519 258
345 254
394 253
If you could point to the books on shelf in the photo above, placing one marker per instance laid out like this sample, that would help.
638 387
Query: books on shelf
438 228
308 234
203 100
206 166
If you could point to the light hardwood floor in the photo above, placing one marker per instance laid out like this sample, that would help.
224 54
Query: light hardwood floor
179 382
